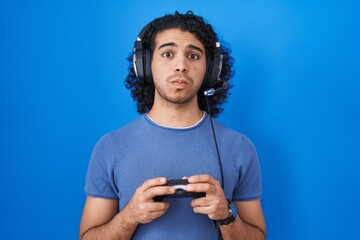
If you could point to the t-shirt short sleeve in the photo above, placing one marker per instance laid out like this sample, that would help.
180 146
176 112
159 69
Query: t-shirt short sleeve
101 170
249 183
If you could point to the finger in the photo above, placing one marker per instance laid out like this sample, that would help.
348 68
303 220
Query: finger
152 183
210 211
201 187
203 178
158 191
156 206
148 216
203 210
200 202
156 214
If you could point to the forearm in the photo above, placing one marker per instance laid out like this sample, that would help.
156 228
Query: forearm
241 230
118 228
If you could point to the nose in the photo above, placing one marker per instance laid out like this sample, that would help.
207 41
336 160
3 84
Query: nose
181 65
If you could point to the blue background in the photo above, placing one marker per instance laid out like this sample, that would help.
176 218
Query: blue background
296 96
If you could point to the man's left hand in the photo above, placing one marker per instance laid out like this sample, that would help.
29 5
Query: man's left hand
214 204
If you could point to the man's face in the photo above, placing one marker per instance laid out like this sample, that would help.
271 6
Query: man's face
178 66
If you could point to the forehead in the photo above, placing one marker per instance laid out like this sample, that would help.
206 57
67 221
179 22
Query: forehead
177 36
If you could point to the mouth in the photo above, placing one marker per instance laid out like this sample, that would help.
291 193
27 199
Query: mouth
179 83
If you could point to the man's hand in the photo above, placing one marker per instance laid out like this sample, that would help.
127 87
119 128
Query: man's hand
214 204
142 208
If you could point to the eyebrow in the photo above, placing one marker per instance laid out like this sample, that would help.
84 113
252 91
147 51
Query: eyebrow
172 44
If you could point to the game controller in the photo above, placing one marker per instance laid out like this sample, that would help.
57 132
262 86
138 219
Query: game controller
180 192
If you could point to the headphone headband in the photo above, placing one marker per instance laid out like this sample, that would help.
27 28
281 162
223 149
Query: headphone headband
142 62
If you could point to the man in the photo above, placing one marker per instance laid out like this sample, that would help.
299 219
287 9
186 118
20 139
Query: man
176 58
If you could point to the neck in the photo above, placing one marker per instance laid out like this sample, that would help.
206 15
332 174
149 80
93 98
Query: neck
180 116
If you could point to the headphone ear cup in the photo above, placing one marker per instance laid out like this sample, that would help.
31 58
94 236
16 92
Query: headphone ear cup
138 60
142 62
216 69
213 68
147 67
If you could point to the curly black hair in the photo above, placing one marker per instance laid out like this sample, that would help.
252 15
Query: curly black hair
143 93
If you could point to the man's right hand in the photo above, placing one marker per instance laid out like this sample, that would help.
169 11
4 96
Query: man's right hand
141 207
101 215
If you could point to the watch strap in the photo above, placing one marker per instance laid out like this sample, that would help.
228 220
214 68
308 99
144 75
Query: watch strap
231 216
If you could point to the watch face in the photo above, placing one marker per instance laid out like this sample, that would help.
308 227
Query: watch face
232 214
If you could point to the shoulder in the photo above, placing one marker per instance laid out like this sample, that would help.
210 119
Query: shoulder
236 143
131 127
232 135
108 141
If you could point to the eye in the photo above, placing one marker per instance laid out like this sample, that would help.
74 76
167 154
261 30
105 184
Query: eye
167 54
194 56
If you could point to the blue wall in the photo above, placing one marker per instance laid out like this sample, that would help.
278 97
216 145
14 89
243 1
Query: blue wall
296 95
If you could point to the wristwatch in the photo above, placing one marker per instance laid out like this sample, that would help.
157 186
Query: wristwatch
232 214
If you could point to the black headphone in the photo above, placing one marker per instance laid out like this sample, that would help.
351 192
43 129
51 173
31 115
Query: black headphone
142 62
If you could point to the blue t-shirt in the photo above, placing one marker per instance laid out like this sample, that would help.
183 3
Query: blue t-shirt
123 159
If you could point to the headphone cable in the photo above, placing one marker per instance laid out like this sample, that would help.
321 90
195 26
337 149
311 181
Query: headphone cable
216 144
219 158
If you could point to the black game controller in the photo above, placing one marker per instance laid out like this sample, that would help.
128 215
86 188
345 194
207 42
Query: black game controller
180 192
